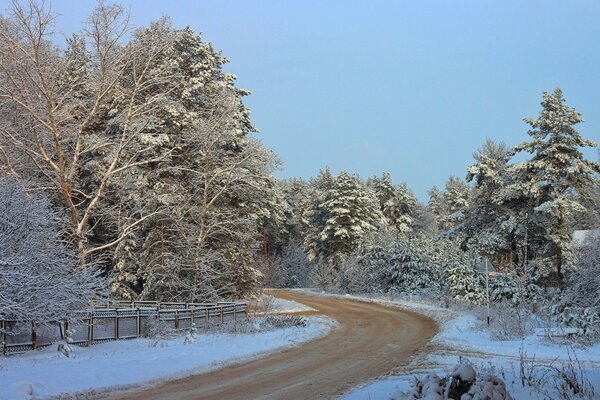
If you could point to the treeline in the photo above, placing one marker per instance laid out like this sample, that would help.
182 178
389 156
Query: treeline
372 235
143 145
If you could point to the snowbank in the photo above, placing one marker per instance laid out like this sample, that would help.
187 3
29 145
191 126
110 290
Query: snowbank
461 335
132 362
281 306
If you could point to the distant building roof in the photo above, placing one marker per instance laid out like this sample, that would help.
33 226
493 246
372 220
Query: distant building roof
580 237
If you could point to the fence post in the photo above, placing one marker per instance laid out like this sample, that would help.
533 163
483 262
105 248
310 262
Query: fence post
116 324
3 327
176 319
138 326
193 314
247 311
91 329
221 314
33 336
234 314
206 317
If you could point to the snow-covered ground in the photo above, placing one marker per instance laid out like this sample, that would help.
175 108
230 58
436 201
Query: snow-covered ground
461 335
281 306
124 363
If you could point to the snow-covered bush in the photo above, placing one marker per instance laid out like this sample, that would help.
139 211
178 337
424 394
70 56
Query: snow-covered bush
585 319
465 283
292 269
157 330
363 271
462 384
192 335
39 277
508 321
66 347
505 287
579 305
283 321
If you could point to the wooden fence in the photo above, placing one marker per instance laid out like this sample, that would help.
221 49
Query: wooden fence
117 320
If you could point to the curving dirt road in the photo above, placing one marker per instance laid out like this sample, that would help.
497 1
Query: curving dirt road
371 341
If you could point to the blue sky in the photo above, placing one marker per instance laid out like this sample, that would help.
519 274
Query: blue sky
408 87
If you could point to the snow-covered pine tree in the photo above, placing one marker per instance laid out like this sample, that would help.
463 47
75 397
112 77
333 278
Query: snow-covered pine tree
352 212
546 184
456 200
464 281
411 267
436 204
487 224
397 203
297 194
316 215
211 196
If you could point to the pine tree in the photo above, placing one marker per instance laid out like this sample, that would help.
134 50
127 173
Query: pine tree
456 201
487 224
352 213
316 215
546 185
397 204
464 281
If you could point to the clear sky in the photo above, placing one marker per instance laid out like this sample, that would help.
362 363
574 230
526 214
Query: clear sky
408 87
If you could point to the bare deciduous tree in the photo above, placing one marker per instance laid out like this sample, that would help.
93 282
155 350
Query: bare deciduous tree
74 119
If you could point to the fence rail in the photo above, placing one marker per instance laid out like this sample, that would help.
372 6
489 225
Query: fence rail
117 320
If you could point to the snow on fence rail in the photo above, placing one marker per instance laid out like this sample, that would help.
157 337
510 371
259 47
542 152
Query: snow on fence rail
116 320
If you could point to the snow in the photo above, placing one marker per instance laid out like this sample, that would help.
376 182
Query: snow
125 363
461 337
282 306
465 372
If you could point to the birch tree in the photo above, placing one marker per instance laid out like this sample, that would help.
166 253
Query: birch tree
75 120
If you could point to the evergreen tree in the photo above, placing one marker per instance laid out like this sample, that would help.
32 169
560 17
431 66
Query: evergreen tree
316 215
464 281
487 225
547 185
352 213
397 204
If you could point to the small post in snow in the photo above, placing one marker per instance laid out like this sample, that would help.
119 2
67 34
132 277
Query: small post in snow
487 290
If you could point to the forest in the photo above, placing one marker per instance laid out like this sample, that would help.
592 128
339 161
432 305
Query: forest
130 169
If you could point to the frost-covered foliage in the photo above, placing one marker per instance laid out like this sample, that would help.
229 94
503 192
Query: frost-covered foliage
211 196
580 302
463 383
39 276
396 203
351 214
547 183
412 268
192 335
505 287
66 347
466 283
292 268
149 154
488 225
395 263
283 321
449 205
315 216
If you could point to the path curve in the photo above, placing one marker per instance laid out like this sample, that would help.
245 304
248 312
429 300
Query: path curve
371 340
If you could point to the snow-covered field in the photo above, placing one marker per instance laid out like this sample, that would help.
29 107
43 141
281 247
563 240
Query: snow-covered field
45 373
461 335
